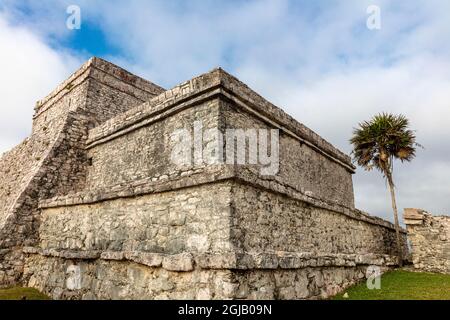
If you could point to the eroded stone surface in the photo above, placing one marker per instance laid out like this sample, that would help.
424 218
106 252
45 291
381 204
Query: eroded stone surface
93 207
66 279
430 240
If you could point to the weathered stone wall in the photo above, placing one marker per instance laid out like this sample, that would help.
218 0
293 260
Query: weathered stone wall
301 167
109 214
120 150
213 240
52 160
200 242
266 221
40 167
146 152
112 279
193 220
430 240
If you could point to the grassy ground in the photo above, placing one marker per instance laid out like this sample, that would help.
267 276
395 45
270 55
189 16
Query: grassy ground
403 285
18 293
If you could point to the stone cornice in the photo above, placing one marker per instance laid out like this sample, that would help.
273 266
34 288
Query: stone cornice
186 261
201 176
98 69
207 86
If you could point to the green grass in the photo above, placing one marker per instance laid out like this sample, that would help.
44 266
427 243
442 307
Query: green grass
18 293
403 285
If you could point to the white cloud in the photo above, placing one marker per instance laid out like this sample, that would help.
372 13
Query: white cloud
315 60
336 102
30 69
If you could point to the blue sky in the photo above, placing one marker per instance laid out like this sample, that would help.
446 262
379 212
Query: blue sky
315 59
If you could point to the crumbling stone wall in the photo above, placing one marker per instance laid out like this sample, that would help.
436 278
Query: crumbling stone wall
301 167
121 279
430 240
146 153
50 162
119 219
267 221
198 243
192 220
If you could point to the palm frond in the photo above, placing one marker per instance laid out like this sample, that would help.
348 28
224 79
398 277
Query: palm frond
382 139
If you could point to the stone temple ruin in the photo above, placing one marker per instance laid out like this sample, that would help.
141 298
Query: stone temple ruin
429 236
93 207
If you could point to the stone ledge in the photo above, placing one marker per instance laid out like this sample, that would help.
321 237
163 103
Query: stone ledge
241 91
184 262
200 176
126 77
66 254
178 262
163 183
228 85
290 260
175 262
77 77
273 185
413 216
98 69
163 102
116 128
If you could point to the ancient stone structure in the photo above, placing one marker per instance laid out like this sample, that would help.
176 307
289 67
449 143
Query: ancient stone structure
93 205
430 240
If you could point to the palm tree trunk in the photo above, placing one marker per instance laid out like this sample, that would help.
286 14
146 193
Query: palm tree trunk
397 227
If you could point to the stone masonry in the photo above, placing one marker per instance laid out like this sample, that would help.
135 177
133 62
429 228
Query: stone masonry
430 240
92 205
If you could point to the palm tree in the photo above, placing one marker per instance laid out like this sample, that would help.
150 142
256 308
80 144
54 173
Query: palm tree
377 144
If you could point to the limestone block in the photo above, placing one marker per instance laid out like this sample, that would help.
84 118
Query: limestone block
178 262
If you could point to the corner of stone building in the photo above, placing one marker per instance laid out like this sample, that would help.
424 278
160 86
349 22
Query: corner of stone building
223 242
413 216
53 159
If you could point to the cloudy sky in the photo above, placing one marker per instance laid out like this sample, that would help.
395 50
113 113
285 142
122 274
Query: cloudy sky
315 59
